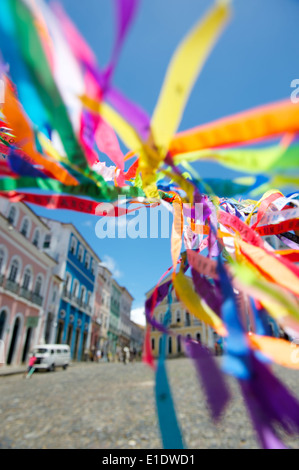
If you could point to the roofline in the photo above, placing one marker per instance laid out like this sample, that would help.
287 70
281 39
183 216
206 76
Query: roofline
32 212
124 288
100 264
70 225
28 241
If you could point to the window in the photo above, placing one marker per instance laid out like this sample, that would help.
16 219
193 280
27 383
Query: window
75 288
2 259
178 316
73 246
88 298
2 323
93 267
83 294
187 319
27 279
198 337
41 351
25 227
38 285
12 215
36 238
47 241
81 253
54 294
153 344
67 282
87 260
14 271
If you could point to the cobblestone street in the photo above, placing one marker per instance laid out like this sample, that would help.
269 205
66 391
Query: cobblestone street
111 406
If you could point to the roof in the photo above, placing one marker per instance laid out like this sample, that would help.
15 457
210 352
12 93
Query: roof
74 229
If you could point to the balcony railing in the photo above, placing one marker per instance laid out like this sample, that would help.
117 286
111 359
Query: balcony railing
22 292
12 286
26 294
79 302
37 299
66 294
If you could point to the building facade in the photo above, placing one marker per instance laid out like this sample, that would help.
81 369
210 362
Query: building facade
105 280
125 324
96 325
183 324
77 266
137 339
54 289
28 284
113 331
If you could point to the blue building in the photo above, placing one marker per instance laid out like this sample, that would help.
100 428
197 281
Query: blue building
77 266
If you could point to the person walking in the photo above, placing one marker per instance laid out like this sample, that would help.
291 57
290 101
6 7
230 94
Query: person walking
30 369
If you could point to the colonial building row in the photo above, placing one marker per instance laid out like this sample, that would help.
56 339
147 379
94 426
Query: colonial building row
184 325
54 289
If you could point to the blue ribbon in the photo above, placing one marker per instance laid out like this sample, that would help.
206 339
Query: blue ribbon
169 427
236 360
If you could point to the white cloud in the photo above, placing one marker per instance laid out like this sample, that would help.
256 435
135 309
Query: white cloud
87 223
111 264
138 316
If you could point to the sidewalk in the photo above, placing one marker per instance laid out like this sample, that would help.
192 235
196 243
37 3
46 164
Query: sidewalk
12 370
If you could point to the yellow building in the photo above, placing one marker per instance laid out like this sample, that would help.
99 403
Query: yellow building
182 324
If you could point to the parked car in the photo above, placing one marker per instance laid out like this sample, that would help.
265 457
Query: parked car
50 356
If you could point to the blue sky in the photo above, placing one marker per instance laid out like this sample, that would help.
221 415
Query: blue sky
253 63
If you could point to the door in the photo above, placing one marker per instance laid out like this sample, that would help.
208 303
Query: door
2 323
69 335
75 355
49 327
83 344
13 341
27 345
59 332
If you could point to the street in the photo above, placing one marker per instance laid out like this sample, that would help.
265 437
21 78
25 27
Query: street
111 406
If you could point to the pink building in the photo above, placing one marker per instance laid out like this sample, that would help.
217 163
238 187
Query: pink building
29 291
96 325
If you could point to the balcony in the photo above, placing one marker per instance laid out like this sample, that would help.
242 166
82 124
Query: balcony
12 286
77 301
37 299
66 294
26 294
22 292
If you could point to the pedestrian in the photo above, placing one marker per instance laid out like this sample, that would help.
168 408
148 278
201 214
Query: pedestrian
31 362
220 346
99 355
126 355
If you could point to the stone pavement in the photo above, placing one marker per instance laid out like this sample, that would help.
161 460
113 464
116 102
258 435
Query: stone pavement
112 406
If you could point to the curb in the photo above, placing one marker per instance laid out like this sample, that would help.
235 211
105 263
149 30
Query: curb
12 372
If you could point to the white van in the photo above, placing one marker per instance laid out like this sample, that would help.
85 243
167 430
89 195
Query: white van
50 356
